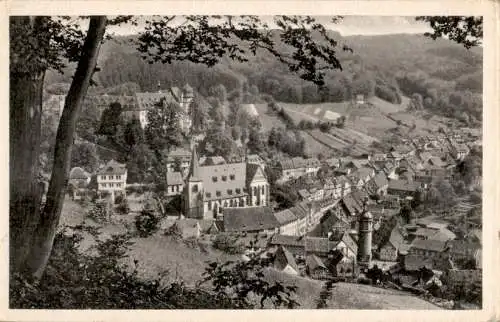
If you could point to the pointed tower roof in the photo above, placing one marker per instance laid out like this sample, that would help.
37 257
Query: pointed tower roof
194 168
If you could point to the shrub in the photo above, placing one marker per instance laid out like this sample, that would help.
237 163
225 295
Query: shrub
80 281
146 223
100 211
228 243
123 207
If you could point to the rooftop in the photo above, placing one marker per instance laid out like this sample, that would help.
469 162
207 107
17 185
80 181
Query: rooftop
249 219
112 167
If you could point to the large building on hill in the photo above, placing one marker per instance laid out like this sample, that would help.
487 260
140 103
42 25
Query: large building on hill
146 101
211 188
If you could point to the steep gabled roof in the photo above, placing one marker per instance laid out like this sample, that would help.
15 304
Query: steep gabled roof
295 241
249 219
174 178
313 262
283 257
429 244
285 216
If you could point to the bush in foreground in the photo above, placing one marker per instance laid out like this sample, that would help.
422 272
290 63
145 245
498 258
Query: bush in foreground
81 281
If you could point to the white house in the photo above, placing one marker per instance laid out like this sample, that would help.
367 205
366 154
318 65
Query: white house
112 178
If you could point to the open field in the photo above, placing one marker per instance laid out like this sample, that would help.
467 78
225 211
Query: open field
351 296
314 147
268 121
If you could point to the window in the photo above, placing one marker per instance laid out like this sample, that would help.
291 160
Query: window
111 185
173 188
214 179
209 205
220 210
224 178
231 176
254 190
217 193
229 191
195 188
119 177
208 194
110 177
231 203
238 190
103 177
119 185
263 188
178 188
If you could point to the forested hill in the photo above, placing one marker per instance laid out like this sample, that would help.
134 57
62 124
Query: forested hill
439 74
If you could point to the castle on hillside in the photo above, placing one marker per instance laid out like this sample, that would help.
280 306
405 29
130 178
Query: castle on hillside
147 100
211 188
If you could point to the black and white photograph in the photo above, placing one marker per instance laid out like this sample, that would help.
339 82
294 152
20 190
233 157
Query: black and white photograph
243 162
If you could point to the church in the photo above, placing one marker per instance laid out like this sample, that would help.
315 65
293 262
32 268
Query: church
211 188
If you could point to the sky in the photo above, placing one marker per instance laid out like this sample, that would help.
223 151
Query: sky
350 25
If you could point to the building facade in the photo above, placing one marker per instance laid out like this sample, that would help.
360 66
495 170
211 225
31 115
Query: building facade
210 189
112 179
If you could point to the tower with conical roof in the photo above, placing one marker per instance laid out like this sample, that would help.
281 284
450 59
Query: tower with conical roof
365 238
193 193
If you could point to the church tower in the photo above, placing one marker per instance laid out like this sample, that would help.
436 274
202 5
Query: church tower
193 193
365 238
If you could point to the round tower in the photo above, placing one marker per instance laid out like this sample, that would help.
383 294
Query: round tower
365 238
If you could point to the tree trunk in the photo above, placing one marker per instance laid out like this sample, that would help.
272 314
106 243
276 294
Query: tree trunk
25 106
44 235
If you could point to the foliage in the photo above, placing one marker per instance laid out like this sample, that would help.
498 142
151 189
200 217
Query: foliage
81 281
407 213
467 31
256 140
288 142
205 39
139 161
146 223
217 143
228 243
133 134
123 207
100 211
163 129
199 114
110 120
239 281
84 155
273 173
284 195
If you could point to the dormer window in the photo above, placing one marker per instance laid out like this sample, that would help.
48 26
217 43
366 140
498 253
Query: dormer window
238 190
231 177
214 179
208 194
229 191
224 178
217 193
